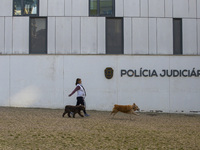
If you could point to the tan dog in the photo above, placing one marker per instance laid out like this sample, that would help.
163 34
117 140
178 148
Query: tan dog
129 109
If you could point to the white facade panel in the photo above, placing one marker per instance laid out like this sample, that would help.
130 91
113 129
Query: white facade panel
131 8
20 35
51 35
76 35
180 8
140 90
4 80
164 36
183 91
2 35
36 81
63 35
192 9
127 36
140 35
156 8
101 35
80 7
198 8
89 35
189 36
119 8
68 7
144 8
8 35
6 8
43 4
152 36
168 8
198 38
56 8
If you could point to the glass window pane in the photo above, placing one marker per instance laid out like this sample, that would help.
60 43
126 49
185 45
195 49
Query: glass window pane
30 7
17 7
177 36
106 7
93 7
38 36
114 36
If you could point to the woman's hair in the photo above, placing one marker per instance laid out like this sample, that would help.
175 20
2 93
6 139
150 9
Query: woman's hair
77 80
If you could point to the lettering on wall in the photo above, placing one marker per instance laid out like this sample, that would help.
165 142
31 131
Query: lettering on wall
164 73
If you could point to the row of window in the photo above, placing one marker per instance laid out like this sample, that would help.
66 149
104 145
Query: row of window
114 36
31 8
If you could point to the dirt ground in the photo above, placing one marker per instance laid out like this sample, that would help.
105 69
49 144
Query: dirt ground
45 129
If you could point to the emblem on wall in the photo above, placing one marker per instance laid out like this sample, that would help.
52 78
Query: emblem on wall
108 72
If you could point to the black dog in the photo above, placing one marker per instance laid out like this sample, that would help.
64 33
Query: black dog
74 110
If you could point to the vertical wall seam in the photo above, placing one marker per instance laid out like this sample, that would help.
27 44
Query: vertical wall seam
12 37
9 84
4 50
164 9
97 51
156 35
55 35
71 36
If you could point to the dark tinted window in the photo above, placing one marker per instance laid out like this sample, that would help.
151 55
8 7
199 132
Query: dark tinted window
177 36
114 36
25 7
38 36
102 8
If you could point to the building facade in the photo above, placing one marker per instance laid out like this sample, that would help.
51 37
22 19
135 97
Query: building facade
153 47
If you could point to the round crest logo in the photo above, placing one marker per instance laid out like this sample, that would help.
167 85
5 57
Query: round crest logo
108 72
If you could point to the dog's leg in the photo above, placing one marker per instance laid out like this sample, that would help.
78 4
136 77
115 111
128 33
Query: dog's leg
74 115
80 114
69 115
63 114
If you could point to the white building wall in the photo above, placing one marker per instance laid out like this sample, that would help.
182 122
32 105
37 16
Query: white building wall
164 36
56 8
43 7
198 8
131 8
80 7
168 8
119 8
63 35
144 8
8 35
4 80
68 8
152 36
128 36
101 35
156 8
189 36
20 35
2 40
89 35
76 35
6 8
140 35
46 81
198 28
51 29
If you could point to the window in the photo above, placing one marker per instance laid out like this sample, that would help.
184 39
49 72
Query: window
38 36
114 36
25 7
102 8
177 36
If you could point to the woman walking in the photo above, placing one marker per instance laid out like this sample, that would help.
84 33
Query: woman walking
81 94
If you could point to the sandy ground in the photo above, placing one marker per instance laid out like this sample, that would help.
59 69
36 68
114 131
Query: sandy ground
45 129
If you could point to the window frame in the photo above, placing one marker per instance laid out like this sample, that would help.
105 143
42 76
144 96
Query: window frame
22 10
30 36
98 10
